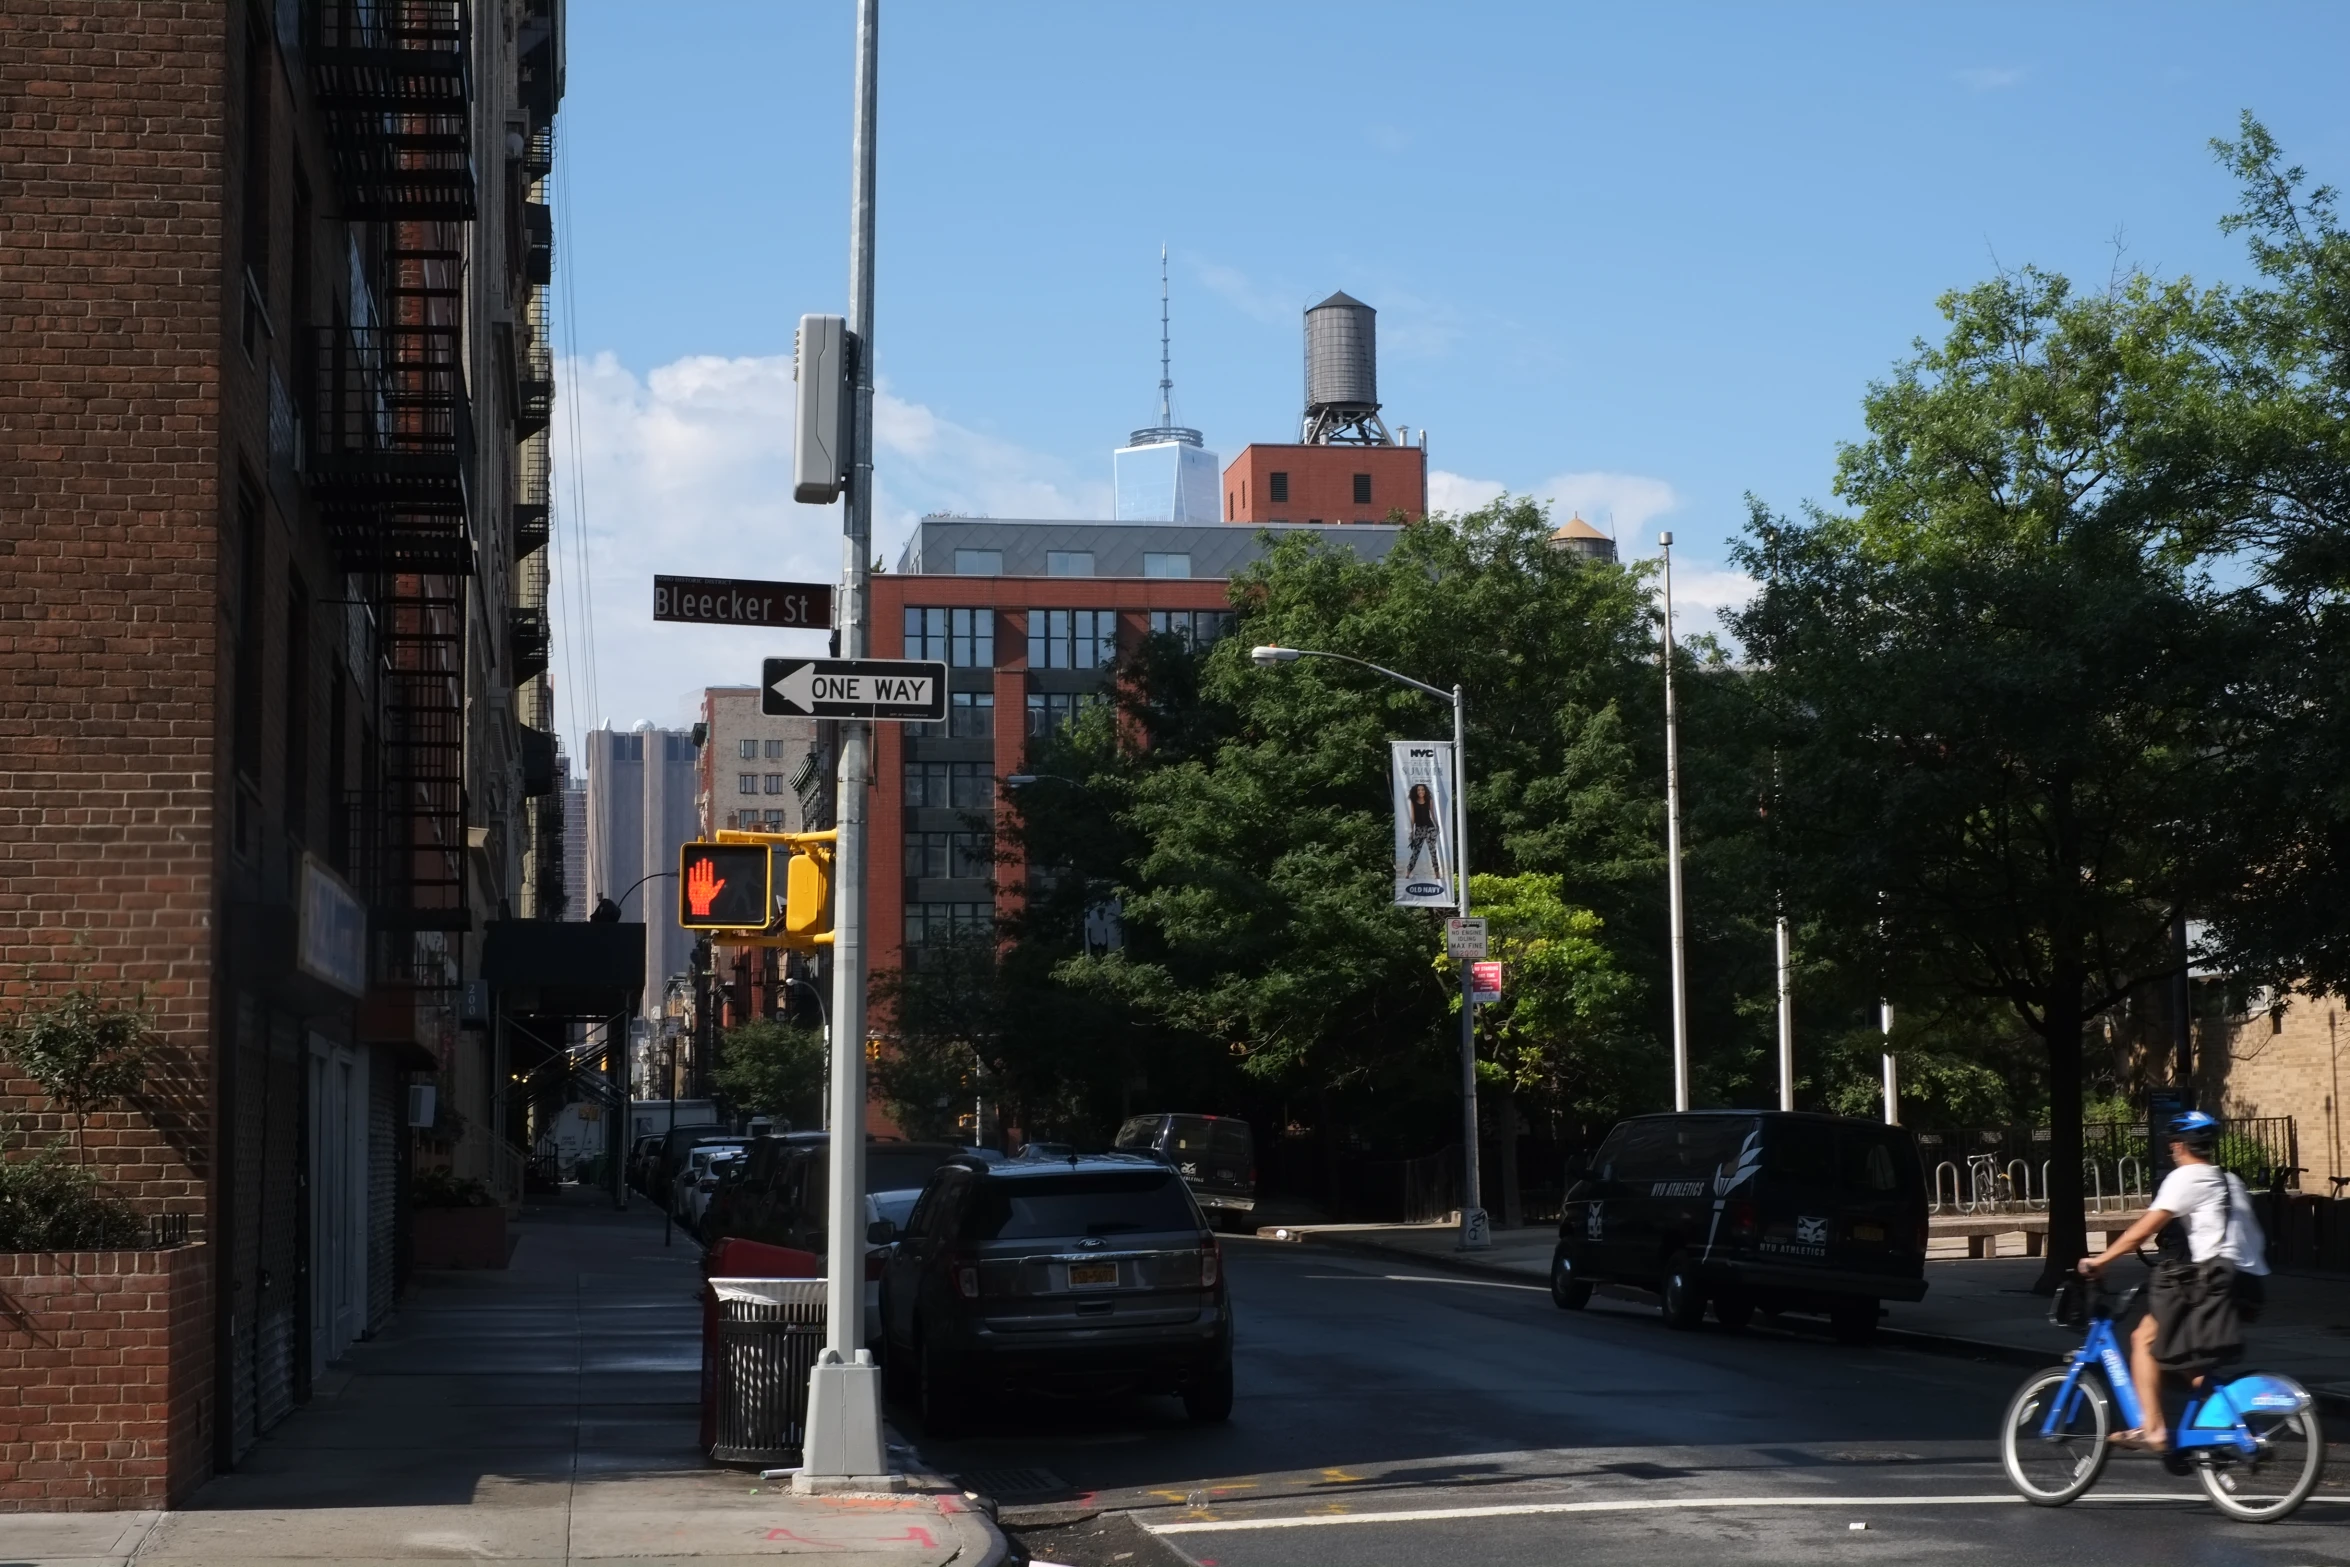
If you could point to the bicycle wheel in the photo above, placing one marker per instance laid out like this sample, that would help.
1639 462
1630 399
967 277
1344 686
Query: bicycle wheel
2272 1484
2050 1470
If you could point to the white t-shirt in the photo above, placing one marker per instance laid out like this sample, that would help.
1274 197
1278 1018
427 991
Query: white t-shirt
2201 1196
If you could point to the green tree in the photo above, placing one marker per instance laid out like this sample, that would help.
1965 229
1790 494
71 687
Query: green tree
1992 686
85 1051
771 1067
1250 808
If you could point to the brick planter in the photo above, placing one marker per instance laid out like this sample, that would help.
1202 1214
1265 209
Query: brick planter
105 1378
459 1237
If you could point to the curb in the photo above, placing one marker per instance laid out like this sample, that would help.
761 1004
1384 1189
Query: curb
2336 1404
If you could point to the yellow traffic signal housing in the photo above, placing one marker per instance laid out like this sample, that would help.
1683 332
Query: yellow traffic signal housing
807 892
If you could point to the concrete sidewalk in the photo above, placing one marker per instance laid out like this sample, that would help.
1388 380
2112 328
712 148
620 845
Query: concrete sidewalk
545 1414
1983 1307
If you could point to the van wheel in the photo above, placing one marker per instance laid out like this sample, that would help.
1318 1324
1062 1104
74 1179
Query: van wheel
1678 1295
1569 1291
1853 1321
1733 1311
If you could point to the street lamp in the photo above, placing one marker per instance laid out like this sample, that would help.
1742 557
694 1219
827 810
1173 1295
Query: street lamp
1474 1236
1673 849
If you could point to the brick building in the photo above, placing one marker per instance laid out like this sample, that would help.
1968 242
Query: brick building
1029 617
1326 484
273 380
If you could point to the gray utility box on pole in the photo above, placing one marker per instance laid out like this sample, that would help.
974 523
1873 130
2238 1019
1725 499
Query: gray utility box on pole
822 365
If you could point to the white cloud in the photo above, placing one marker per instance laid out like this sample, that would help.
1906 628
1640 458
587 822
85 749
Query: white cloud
1618 503
1244 293
1988 78
687 472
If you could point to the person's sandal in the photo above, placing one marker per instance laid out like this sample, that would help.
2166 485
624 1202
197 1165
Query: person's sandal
2136 1440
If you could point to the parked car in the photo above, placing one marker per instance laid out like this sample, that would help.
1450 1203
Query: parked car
687 1191
1217 1155
1085 1278
1748 1211
640 1163
670 1157
791 1209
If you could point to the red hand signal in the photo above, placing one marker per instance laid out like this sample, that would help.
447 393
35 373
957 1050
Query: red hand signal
702 885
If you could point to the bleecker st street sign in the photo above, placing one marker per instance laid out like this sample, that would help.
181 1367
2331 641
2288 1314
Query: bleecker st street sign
713 601
904 690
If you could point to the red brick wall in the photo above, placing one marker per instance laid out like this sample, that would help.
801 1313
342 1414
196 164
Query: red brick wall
1321 483
106 1357
111 322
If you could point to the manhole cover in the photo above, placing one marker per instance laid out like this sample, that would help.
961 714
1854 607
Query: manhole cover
1003 1484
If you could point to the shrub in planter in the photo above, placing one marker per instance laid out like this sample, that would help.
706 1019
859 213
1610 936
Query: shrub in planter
438 1188
48 1202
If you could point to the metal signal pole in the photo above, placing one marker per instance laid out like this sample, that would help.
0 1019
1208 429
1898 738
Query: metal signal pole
1673 850
844 1448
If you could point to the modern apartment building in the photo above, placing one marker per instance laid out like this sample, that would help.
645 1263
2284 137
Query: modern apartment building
1029 617
271 371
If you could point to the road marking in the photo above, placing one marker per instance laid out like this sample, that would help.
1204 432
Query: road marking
1643 1505
1414 1278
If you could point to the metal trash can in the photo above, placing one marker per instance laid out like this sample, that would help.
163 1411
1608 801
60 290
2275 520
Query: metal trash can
769 1333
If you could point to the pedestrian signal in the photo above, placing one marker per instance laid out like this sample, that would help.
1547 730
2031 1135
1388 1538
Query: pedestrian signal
725 886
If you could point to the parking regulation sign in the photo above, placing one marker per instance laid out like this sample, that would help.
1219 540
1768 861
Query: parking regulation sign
1465 938
1484 982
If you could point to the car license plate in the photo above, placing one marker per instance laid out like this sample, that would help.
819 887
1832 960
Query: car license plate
1093 1275
1868 1232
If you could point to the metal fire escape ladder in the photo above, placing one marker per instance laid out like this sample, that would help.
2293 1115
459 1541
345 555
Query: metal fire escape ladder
394 79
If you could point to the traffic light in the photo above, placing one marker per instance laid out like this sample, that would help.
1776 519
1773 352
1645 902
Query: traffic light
725 886
807 891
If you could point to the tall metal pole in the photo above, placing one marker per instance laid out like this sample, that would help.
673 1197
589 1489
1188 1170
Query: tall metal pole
1786 1022
1892 1069
844 1443
1673 850
1475 1235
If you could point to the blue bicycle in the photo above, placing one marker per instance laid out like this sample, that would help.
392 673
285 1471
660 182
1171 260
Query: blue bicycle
2254 1442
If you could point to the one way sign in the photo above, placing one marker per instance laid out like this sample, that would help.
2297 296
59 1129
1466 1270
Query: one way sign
906 690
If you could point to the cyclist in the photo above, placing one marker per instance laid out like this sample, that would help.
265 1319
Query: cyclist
2202 1214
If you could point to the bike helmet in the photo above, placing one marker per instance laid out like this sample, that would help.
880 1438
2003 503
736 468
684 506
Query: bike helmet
2197 1130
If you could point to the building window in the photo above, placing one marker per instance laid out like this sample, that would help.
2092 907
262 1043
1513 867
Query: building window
1277 487
971 715
1172 565
964 638
775 750
979 563
962 786
746 783
775 783
1362 489
1068 563
1051 710
750 750
1194 628
775 821
931 856
940 924
1229 513
1072 638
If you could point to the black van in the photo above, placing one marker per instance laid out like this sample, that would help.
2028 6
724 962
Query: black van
1749 1210
1216 1155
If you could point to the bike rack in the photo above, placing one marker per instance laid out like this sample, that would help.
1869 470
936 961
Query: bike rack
1936 1205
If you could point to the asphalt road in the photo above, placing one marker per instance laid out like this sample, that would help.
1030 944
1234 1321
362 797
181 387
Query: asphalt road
1370 1389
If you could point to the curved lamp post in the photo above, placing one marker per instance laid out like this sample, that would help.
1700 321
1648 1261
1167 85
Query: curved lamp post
1474 1235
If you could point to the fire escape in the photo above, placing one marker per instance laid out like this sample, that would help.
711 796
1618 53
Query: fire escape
393 446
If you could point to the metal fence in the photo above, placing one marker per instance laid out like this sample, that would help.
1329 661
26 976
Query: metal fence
2005 1169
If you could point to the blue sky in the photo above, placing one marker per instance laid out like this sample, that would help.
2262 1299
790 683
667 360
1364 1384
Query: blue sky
1643 259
